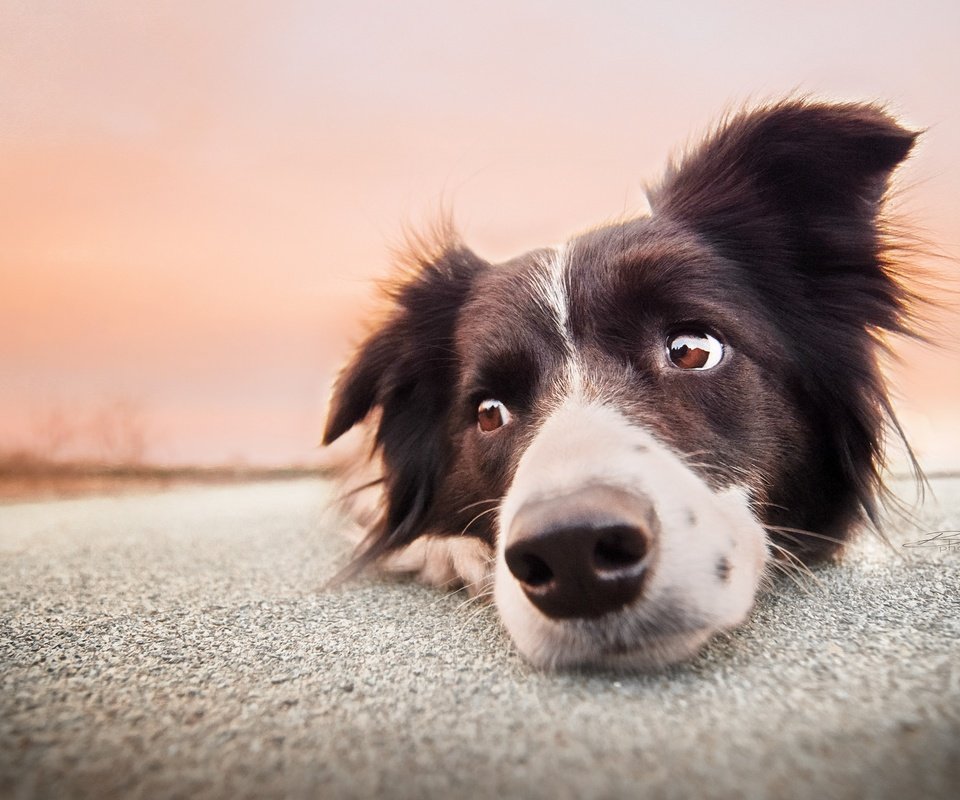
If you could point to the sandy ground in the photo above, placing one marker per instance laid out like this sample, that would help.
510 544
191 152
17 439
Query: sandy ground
178 644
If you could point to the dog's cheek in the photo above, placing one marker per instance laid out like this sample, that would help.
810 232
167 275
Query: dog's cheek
470 497
713 550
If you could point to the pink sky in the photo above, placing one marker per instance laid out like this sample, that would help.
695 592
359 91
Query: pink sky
195 195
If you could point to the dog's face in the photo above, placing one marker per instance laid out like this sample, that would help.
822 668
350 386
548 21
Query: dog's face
623 425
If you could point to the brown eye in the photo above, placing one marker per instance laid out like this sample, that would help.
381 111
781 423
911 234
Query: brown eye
694 351
492 414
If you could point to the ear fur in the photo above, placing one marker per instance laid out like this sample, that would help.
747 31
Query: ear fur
799 181
793 193
407 370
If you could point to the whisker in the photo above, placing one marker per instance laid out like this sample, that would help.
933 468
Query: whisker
466 603
481 514
758 504
448 591
478 503
724 470
796 563
485 591
802 532
483 607
786 570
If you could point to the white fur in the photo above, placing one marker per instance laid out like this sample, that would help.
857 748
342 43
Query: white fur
549 284
448 562
584 444
550 289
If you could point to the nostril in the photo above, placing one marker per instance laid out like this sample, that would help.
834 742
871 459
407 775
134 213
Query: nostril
531 570
619 547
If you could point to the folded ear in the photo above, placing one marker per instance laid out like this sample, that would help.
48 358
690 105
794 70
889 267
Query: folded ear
798 183
408 370
412 348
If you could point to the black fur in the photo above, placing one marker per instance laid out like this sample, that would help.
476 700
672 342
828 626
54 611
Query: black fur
769 232
793 195
408 369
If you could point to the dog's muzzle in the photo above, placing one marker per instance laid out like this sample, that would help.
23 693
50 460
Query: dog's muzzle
611 550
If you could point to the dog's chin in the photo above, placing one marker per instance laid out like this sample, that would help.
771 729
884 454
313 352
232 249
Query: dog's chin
644 636
619 641
653 652
583 650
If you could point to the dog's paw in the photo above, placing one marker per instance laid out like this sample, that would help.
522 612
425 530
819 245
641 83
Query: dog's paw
448 562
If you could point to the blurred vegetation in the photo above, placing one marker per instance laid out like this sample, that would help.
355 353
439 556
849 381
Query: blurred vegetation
104 451
24 475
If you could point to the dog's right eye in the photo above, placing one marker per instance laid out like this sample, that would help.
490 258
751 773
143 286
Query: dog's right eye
492 414
694 351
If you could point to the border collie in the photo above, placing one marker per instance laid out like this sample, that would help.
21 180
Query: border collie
617 438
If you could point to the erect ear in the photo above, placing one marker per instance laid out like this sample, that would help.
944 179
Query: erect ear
408 370
792 193
799 182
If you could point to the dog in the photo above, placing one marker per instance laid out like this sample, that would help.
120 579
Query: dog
618 438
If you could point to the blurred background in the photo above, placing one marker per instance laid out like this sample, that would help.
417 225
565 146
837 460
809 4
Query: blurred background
195 196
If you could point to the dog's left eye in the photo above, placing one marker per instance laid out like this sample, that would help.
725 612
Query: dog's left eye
492 414
694 351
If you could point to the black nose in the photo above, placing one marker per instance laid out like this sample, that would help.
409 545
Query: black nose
577 560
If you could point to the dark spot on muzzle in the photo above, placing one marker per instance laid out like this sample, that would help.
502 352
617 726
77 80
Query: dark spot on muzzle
723 569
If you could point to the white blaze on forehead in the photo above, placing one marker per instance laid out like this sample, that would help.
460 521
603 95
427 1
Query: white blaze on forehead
550 284
550 289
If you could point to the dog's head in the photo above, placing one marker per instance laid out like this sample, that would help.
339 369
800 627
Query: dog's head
627 422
